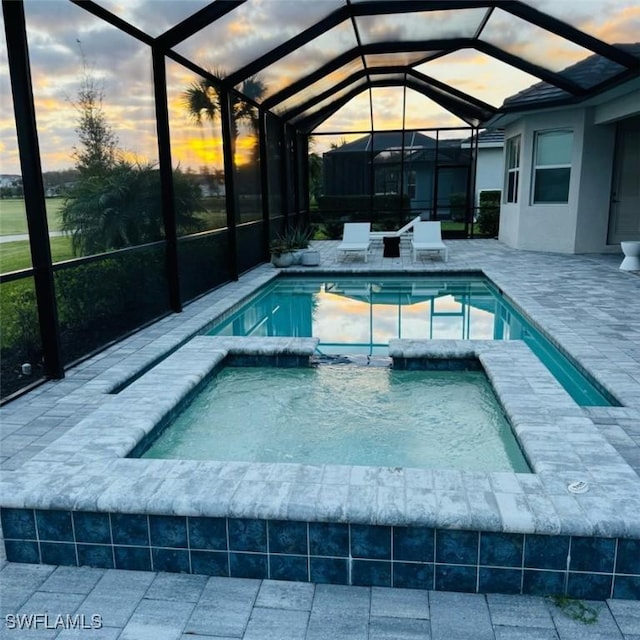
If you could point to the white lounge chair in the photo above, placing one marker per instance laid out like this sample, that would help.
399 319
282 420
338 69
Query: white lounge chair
355 238
427 236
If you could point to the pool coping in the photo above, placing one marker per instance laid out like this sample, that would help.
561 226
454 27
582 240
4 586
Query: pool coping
86 469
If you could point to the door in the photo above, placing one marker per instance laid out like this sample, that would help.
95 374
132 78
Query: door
624 216
451 200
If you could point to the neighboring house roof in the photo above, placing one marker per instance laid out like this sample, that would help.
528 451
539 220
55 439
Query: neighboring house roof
487 139
586 73
417 146
387 140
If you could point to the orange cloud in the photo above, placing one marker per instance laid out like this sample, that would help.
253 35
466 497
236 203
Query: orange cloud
616 28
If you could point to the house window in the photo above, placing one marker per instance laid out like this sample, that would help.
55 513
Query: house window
552 166
411 186
512 177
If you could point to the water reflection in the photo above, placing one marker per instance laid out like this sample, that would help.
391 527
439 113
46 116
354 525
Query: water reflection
353 315
359 316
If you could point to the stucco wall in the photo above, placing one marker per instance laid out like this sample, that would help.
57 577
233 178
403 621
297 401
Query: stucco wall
580 225
594 197
489 170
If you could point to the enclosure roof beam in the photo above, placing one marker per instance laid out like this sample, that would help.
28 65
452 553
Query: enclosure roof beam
320 27
354 77
381 47
100 12
564 30
194 23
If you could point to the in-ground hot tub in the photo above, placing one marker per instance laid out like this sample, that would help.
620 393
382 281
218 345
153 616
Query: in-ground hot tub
347 414
364 525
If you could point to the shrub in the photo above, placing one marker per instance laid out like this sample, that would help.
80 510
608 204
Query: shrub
458 206
489 214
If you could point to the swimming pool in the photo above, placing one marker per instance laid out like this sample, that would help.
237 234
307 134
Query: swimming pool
345 414
354 315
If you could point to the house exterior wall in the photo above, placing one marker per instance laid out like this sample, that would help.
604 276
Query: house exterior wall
489 170
625 106
594 195
579 225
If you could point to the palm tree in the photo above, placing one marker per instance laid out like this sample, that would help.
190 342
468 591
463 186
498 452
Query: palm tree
202 100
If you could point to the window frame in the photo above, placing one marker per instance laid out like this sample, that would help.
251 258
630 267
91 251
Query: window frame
513 148
536 167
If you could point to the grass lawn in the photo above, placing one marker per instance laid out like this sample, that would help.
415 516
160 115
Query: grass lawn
16 255
13 218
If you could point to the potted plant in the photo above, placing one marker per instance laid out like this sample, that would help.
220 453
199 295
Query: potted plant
299 239
281 254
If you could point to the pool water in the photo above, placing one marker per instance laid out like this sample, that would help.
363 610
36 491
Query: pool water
345 414
359 314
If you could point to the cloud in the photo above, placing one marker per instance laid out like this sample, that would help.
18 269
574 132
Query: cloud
479 75
153 16
616 27
122 66
252 30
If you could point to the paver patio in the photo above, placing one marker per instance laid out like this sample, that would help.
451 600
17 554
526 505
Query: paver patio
583 302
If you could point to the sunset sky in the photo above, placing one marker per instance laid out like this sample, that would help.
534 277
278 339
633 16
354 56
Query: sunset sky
60 33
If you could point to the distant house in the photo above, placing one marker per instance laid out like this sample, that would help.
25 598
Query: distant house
431 174
571 178
490 161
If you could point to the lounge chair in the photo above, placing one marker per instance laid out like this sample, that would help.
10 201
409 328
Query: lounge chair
355 238
427 236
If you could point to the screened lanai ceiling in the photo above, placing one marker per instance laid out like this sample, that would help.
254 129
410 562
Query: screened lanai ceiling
314 57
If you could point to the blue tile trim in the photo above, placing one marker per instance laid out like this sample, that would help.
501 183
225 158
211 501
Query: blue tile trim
437 364
501 549
168 531
592 554
173 560
546 552
257 360
288 537
248 565
22 551
92 527
18 523
328 539
130 529
338 553
543 583
628 558
627 587
283 567
210 563
95 555
590 586
371 573
247 535
370 541
58 553
456 578
494 580
133 558
329 570
54 526
457 547
413 575
208 533
414 543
